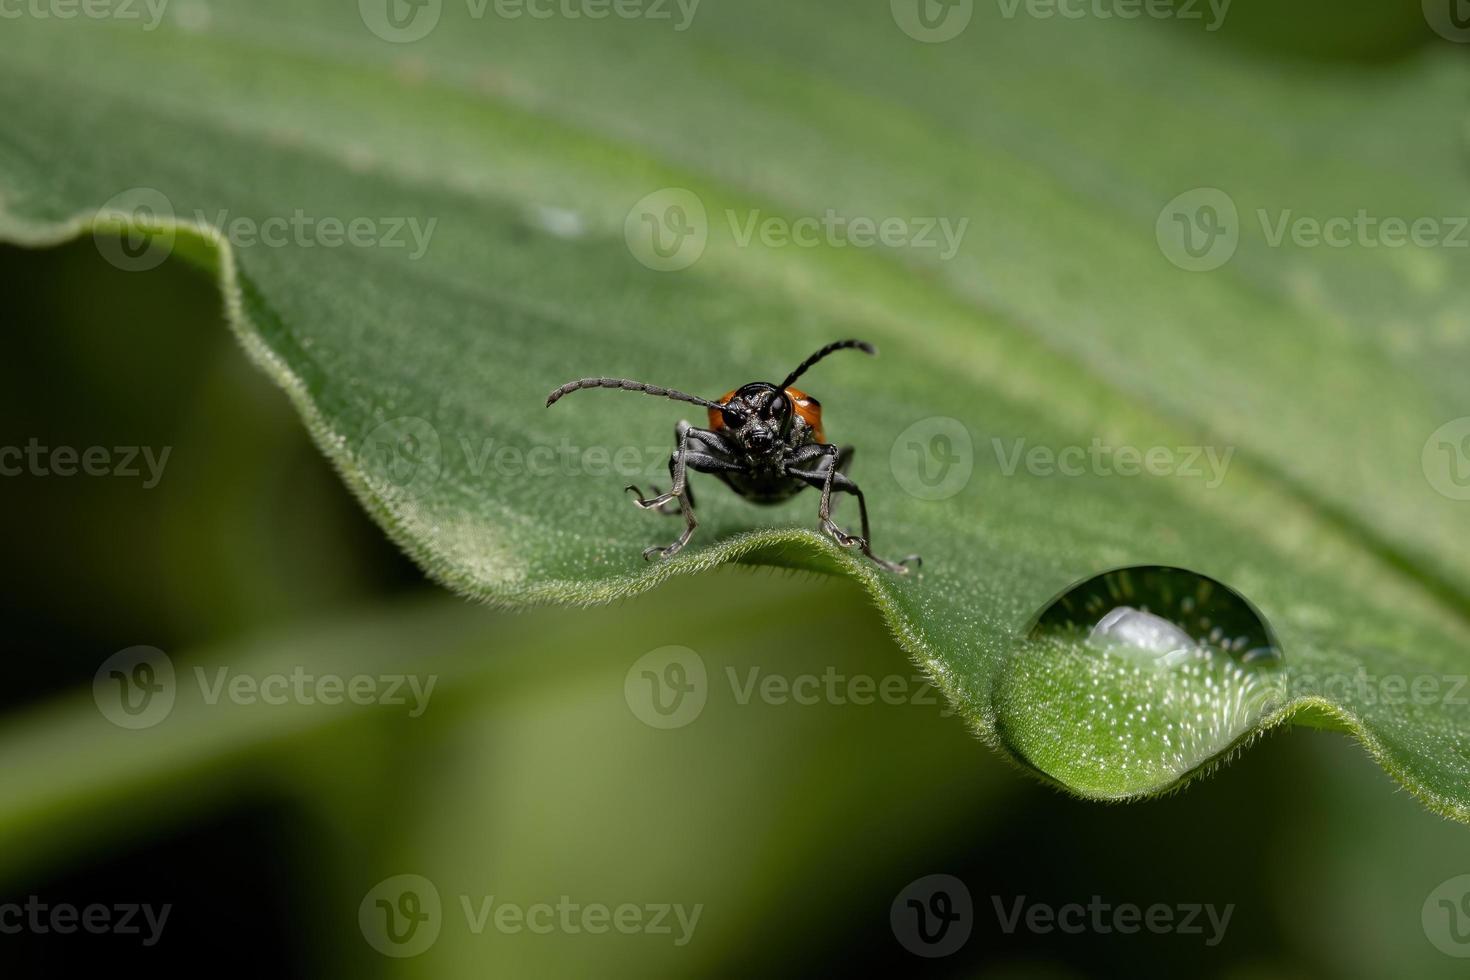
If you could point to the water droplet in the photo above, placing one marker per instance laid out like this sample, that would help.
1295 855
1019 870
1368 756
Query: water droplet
561 222
1131 679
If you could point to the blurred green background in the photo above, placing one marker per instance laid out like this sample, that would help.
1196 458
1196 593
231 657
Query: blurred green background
532 773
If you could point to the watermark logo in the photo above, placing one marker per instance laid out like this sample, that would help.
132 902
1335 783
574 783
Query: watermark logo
933 458
932 21
933 916
1446 459
401 916
1450 19
1446 917
403 455
1199 230
134 688
667 688
667 231
400 21
134 229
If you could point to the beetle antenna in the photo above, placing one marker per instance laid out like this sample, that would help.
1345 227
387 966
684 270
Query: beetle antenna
626 385
801 368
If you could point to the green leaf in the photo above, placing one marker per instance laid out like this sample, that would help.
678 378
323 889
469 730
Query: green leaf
524 152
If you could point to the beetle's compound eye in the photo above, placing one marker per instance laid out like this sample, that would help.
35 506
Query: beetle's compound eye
735 418
777 409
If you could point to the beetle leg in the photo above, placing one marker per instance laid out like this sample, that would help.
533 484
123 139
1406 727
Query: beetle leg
829 477
668 507
661 501
684 435
691 454
689 525
701 463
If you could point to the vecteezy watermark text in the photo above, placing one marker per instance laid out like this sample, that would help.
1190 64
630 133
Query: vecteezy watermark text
300 686
407 456
135 229
1362 688
34 459
1200 229
1211 12
1101 459
839 231
406 21
937 21
934 458
1202 919
669 229
670 686
403 916
1363 229
303 230
64 918
150 12
933 916
137 688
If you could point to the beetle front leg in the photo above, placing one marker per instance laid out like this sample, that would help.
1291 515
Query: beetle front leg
668 507
690 523
830 477
700 463
688 456
676 474
686 437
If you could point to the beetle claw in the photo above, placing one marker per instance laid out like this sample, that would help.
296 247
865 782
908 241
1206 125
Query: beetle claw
846 540
647 503
649 554
663 502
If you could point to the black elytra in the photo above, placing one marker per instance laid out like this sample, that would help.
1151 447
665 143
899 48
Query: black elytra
765 442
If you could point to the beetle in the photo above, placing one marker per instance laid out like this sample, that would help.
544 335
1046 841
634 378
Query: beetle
765 442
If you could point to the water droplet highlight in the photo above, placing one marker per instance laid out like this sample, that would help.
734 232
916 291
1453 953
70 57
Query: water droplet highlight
1130 680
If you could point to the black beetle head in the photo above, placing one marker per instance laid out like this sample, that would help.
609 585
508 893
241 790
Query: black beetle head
758 417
